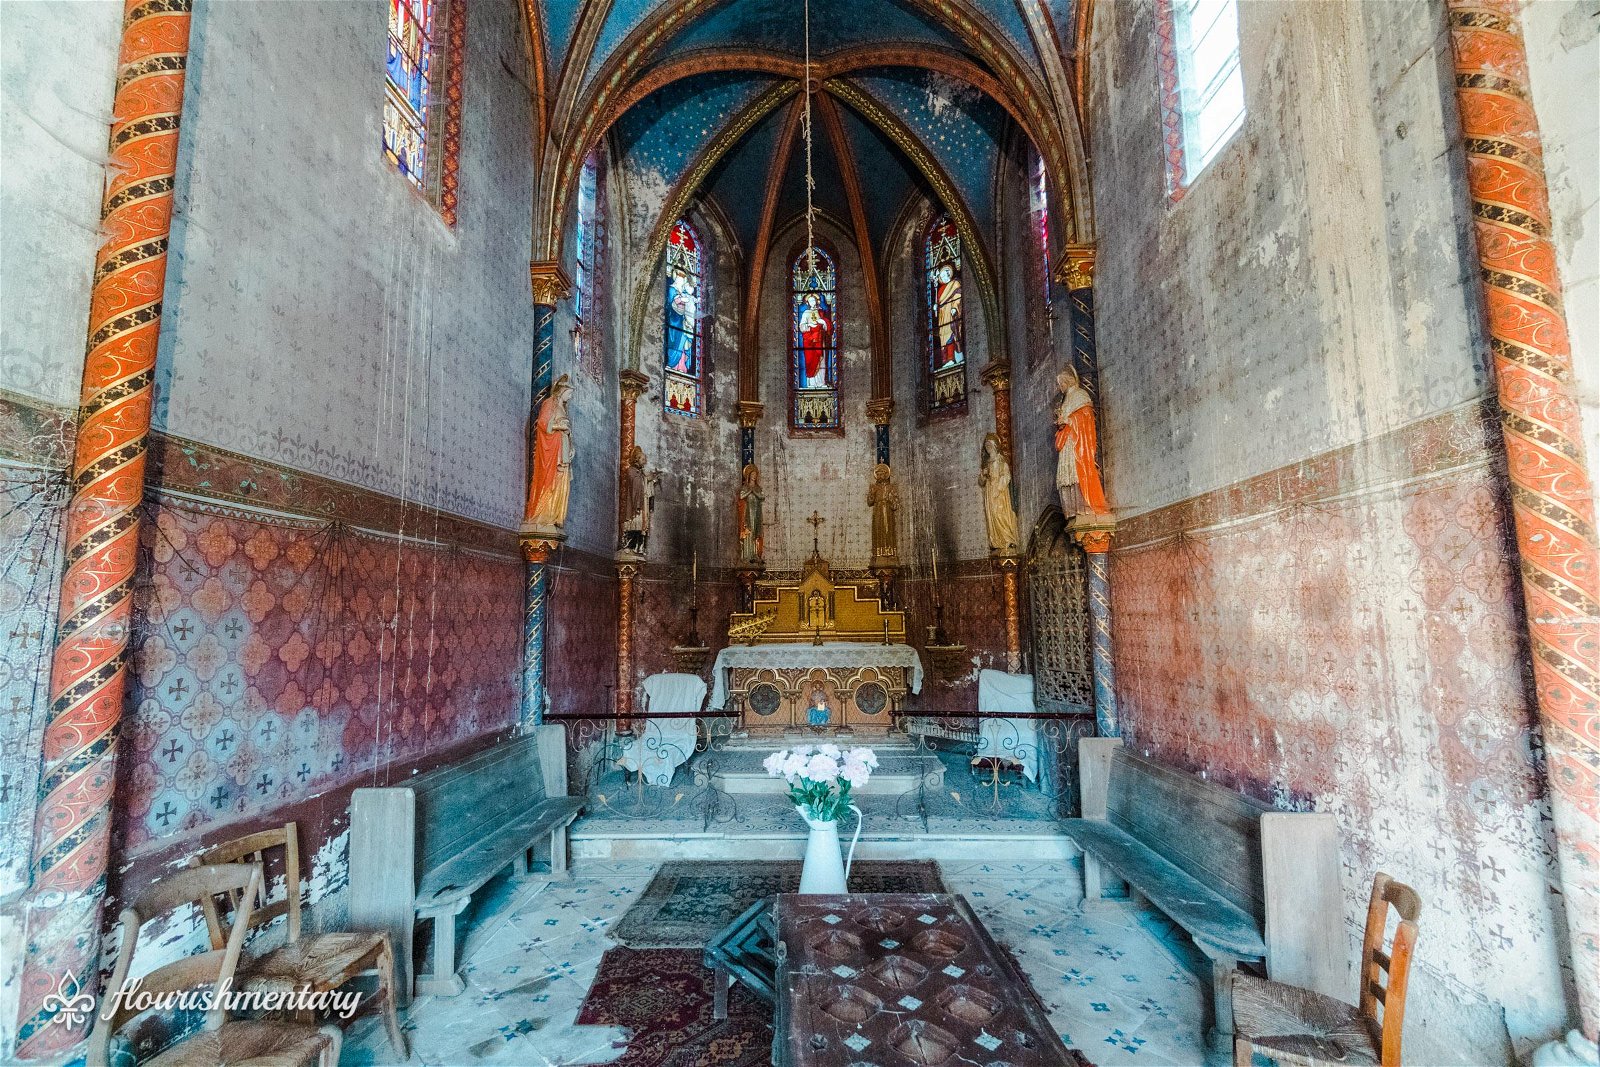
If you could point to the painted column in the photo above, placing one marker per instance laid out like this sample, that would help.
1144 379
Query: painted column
749 416
997 376
1552 498
89 668
550 285
880 410
627 569
1076 272
631 384
1093 533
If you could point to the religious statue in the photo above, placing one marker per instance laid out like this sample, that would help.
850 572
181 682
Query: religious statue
999 515
638 501
884 499
751 529
947 315
1077 469
816 341
683 306
551 485
816 610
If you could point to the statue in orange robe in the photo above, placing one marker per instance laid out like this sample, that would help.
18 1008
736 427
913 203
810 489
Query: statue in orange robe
550 487
1077 470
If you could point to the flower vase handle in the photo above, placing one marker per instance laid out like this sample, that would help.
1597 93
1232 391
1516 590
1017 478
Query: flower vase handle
852 855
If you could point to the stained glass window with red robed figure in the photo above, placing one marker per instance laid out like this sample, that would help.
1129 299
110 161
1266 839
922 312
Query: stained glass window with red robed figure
947 320
410 87
814 341
684 358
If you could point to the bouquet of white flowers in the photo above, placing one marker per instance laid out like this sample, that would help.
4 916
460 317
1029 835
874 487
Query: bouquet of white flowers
820 777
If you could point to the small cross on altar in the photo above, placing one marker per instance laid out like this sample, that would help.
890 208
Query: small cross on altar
816 520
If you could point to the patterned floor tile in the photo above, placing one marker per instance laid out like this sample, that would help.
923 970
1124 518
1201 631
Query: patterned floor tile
1119 982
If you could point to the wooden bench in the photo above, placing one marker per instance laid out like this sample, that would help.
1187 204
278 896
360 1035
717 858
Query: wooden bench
419 851
1245 882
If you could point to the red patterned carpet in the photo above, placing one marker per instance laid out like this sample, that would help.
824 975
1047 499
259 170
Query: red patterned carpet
663 996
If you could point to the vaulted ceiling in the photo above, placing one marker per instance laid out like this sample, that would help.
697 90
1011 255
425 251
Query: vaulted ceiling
702 94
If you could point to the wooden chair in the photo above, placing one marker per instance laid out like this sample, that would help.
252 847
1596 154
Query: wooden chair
222 1040
1297 1026
318 962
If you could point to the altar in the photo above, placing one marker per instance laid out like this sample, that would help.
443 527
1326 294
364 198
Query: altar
815 653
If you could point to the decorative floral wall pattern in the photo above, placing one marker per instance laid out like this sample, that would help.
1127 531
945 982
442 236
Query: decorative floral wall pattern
1363 656
274 660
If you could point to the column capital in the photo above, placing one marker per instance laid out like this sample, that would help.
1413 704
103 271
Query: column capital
540 543
632 384
550 282
1075 269
997 374
880 409
1092 530
749 413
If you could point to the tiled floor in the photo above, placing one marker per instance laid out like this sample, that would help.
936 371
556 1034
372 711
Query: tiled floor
1118 985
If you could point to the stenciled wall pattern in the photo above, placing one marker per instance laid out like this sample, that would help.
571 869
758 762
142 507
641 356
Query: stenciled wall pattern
277 659
1361 654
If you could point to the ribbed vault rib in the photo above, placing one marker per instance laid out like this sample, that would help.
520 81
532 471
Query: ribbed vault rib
882 384
749 323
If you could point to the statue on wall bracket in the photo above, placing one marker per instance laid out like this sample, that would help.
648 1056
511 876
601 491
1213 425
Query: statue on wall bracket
1077 468
752 526
999 514
884 500
550 487
638 502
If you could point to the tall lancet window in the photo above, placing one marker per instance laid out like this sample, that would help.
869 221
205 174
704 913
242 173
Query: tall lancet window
410 88
585 273
814 340
421 134
1202 89
947 320
684 359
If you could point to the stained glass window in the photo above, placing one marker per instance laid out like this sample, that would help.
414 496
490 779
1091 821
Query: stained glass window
947 320
1202 81
409 88
1039 208
684 357
814 341
585 275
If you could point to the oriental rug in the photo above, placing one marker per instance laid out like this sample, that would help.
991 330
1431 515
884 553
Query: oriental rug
663 996
689 902
664 999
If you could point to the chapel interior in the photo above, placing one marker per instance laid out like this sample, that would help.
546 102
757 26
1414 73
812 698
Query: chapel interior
806 532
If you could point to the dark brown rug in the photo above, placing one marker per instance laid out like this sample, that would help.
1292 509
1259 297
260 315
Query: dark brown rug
664 997
689 902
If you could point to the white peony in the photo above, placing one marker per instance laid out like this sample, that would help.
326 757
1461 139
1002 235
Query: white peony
830 749
822 768
794 765
855 772
773 764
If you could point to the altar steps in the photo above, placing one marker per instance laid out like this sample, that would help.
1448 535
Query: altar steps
962 818
739 771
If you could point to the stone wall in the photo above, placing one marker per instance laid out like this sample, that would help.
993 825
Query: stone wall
1314 595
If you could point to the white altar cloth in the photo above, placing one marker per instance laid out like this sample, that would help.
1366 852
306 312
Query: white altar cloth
1016 740
828 654
656 750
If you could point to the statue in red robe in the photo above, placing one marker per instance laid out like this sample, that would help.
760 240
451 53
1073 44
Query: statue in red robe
816 341
1077 469
550 485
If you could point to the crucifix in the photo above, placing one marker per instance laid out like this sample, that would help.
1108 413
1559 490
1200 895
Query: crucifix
816 520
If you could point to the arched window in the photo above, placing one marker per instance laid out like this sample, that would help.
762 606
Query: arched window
947 320
416 143
684 358
814 341
586 274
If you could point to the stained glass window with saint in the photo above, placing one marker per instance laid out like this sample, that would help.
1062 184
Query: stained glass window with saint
685 348
409 87
946 326
814 341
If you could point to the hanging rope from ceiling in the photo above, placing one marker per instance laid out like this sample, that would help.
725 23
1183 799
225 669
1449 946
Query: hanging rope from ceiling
811 241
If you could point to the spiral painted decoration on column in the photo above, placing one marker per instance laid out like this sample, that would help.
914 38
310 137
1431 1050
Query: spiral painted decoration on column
1105 686
1551 493
88 671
